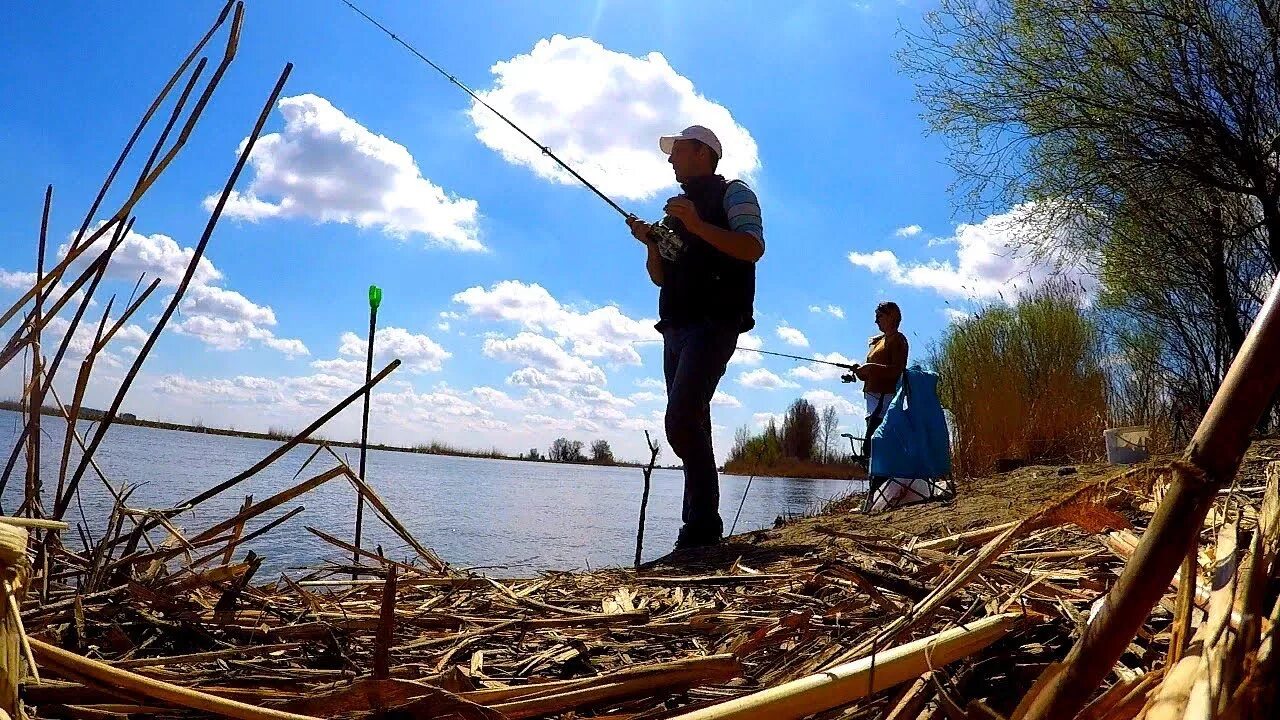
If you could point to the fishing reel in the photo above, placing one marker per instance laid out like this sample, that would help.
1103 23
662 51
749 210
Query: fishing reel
670 246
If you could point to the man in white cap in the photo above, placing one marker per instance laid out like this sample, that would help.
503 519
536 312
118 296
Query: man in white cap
707 274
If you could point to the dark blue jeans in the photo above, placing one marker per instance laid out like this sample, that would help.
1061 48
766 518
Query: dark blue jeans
694 359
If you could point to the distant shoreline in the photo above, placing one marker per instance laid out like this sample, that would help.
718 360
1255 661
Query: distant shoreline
801 471
93 415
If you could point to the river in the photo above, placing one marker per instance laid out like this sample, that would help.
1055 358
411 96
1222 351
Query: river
512 518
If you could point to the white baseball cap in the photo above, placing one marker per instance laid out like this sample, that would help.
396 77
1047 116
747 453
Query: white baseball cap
693 132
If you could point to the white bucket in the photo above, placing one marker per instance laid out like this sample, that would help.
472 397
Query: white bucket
1127 444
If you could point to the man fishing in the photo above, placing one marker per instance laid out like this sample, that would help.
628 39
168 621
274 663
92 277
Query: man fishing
708 282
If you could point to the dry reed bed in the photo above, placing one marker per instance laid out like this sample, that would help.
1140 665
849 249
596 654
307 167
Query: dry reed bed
153 619
430 642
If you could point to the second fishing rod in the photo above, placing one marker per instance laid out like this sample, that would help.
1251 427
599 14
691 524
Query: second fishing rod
849 377
661 233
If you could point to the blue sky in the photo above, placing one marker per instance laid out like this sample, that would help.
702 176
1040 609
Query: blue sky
518 302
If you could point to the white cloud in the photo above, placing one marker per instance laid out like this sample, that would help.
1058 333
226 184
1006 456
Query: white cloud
954 315
991 261
652 383
226 320
815 308
240 389
725 399
647 397
748 342
418 352
825 398
908 231
818 372
326 167
223 334
603 332
836 311
762 379
761 419
86 332
223 303
602 112
792 336
137 254
221 318
547 365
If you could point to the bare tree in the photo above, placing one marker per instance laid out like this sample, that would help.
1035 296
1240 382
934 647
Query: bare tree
601 453
800 430
830 423
564 450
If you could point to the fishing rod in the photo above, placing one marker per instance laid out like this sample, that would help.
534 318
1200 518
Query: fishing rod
669 243
797 357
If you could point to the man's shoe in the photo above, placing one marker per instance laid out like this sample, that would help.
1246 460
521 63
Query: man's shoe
693 538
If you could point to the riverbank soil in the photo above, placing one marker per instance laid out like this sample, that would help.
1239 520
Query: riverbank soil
979 502
934 610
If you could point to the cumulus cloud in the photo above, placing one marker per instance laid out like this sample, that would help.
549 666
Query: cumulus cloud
762 379
156 255
87 331
792 336
219 317
600 333
16 280
226 320
724 399
602 112
546 364
822 399
327 167
762 419
418 352
990 261
819 372
744 356
908 231
832 310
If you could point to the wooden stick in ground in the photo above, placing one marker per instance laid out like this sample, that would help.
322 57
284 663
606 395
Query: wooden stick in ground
103 674
654 448
386 628
235 534
364 421
34 501
852 681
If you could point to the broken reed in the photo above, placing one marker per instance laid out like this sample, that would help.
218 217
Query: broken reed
1024 382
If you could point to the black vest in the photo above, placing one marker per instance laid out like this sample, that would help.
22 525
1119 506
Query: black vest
704 283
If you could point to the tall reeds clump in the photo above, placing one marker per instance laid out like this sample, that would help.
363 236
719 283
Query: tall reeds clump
1024 383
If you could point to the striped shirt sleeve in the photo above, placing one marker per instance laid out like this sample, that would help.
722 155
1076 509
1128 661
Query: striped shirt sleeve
743 209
